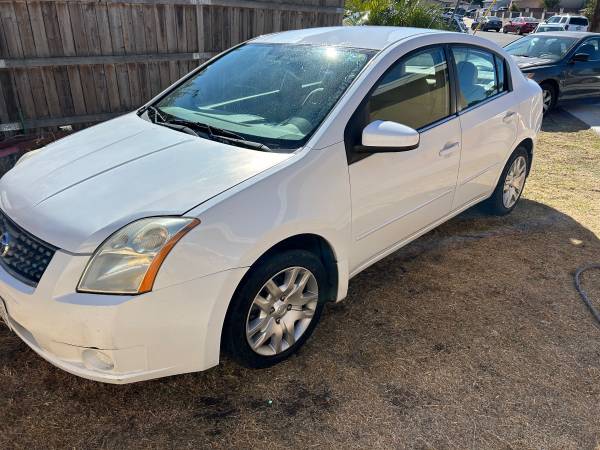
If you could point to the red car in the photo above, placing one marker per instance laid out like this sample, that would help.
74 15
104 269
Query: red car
520 25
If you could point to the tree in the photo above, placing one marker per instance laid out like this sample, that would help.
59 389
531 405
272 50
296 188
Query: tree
551 4
592 11
514 7
400 13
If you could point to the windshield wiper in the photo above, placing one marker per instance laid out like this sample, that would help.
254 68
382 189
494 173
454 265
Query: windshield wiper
191 127
157 113
159 119
218 134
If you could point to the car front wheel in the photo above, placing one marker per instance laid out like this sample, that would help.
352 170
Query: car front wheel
510 185
275 309
549 97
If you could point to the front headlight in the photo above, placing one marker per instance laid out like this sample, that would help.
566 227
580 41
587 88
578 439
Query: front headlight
128 261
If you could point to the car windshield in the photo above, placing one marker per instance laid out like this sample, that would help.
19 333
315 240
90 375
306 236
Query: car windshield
554 19
544 28
547 47
273 94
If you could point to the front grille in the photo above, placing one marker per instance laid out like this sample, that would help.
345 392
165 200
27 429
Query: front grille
22 254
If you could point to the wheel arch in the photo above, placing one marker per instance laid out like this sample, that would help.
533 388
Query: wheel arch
527 144
314 243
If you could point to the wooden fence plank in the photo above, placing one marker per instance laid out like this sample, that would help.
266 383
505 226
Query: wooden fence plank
20 78
4 116
171 41
152 47
68 44
139 33
118 45
162 48
106 49
129 42
82 49
94 48
59 103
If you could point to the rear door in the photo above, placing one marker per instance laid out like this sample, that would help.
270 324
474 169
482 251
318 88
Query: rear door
488 120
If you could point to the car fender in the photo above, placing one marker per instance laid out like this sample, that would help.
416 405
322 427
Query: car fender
308 195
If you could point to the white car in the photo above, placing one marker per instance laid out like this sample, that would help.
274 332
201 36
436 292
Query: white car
226 212
564 23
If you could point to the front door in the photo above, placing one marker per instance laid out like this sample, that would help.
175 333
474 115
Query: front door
397 194
582 78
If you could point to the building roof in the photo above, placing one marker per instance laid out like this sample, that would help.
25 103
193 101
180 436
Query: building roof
370 37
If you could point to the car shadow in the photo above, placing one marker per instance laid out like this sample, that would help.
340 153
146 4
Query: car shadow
477 315
560 121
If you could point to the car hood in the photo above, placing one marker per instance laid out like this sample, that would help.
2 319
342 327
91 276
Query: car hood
524 62
77 191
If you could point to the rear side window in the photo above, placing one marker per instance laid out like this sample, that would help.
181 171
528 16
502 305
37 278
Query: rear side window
579 21
414 92
481 75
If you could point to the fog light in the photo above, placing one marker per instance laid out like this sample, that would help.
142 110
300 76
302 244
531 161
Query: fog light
96 360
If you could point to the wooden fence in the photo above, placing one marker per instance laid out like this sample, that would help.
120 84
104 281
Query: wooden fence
83 61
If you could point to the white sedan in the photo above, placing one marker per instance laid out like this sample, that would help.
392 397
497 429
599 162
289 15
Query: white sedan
228 210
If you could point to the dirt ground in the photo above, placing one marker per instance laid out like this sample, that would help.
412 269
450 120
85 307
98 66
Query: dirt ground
471 337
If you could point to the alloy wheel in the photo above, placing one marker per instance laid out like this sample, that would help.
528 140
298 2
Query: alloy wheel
546 99
282 311
514 182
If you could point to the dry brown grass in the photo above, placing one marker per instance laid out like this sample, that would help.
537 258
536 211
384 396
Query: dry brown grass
471 337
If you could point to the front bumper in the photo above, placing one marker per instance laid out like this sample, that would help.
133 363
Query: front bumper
115 338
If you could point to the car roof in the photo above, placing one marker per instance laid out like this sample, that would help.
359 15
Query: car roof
572 34
368 37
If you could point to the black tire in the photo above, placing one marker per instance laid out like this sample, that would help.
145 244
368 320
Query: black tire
234 340
495 204
549 89
504 30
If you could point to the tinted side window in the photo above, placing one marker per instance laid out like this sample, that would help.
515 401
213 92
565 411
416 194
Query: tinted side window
501 74
415 92
590 47
478 78
578 21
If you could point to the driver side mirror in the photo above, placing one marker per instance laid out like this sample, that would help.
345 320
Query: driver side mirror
387 136
580 57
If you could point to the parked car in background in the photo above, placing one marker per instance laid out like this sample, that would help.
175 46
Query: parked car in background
567 23
520 25
487 24
566 64
228 210
472 13
457 24
544 27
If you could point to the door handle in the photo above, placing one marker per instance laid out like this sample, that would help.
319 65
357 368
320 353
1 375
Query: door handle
508 115
448 149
